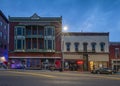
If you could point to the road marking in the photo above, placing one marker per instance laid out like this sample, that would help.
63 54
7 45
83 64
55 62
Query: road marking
34 74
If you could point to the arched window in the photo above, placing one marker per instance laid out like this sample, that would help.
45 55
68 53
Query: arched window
93 44
76 44
68 46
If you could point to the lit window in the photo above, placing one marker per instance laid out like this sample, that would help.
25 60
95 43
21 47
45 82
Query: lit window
76 46
68 46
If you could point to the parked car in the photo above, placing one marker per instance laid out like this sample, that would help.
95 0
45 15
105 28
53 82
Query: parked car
103 71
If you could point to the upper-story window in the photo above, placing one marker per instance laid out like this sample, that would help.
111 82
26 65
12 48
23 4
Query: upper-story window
93 46
102 46
19 31
5 37
49 31
40 32
49 44
68 46
85 46
5 27
0 23
19 44
117 52
76 46
0 34
1 45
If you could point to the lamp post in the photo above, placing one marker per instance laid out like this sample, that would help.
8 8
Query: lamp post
65 28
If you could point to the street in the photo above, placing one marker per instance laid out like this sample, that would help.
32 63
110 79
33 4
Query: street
56 78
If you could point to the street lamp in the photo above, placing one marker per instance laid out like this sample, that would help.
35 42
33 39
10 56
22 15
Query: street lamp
65 28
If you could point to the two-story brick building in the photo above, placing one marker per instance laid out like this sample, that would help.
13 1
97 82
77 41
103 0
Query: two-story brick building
35 41
114 49
86 50
3 37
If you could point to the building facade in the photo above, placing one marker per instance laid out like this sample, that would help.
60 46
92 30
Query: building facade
85 51
114 50
35 41
3 38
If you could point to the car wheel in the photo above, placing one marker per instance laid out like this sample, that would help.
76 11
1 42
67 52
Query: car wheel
112 72
98 72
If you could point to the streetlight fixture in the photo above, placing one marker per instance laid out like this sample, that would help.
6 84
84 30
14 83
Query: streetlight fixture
65 28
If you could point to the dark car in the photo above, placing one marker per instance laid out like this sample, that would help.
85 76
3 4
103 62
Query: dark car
103 71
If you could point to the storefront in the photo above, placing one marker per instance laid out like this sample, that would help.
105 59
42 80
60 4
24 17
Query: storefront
35 62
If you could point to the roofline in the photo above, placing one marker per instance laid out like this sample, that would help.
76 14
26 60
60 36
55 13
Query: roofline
114 43
19 19
86 33
5 18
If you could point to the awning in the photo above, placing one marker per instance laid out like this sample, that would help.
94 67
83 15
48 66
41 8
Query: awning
31 57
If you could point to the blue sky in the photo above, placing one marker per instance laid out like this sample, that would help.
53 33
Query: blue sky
78 15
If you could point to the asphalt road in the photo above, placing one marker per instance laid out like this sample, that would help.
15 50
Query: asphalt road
48 78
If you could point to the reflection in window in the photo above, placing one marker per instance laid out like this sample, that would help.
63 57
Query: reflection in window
68 46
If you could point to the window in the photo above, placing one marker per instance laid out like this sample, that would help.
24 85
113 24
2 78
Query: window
85 47
0 23
0 34
5 26
40 32
117 51
40 45
19 31
19 44
5 46
49 44
76 46
34 41
29 44
34 30
28 31
49 32
68 46
5 37
102 46
93 46
1 45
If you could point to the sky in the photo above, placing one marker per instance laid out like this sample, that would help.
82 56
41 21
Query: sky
77 15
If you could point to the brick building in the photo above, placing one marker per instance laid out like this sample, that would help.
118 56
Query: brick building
3 37
35 41
114 49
